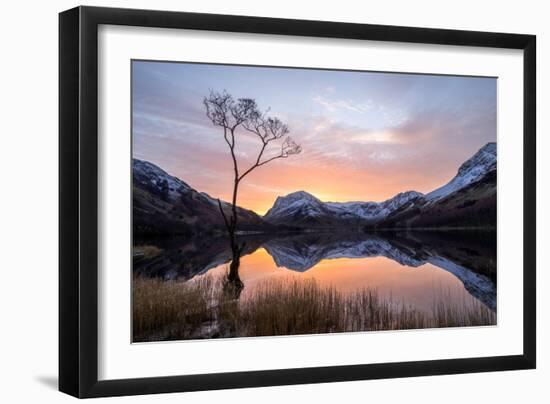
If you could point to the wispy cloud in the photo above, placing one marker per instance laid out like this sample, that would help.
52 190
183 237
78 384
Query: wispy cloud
340 104
371 112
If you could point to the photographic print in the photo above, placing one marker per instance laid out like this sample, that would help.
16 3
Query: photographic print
272 201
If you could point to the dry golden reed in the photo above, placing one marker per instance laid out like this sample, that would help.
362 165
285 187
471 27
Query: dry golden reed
170 310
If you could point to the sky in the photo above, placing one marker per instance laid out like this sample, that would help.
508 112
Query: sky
365 136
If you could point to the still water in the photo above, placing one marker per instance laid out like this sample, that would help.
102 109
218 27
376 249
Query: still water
413 268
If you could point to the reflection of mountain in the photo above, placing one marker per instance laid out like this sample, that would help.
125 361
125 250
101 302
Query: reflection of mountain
188 257
468 256
304 252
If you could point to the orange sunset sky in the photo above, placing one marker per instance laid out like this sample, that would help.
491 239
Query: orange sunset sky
365 136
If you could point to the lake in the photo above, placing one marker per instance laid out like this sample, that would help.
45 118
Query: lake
438 276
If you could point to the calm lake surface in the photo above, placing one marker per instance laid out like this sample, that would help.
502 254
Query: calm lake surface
415 268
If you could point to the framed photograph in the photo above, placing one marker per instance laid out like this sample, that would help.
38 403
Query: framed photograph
251 201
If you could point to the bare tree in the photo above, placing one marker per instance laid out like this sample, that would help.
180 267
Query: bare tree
243 115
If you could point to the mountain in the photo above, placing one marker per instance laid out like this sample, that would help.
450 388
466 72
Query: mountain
303 209
471 171
164 204
468 199
474 205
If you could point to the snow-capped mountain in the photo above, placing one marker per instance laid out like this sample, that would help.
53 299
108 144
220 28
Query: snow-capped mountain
473 170
164 204
468 200
153 178
303 209
374 210
299 203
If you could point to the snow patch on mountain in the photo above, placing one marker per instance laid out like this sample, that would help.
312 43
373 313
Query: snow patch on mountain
372 210
154 178
297 203
472 170
303 204
149 175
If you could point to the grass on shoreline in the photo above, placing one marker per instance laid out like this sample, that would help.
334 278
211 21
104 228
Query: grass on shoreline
147 251
200 309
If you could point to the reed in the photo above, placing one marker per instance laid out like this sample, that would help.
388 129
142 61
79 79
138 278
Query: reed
200 309
147 251
167 310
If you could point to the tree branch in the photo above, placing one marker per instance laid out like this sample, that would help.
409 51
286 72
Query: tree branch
224 111
256 164
280 156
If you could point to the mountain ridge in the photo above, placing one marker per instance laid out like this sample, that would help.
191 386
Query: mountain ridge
302 208
164 204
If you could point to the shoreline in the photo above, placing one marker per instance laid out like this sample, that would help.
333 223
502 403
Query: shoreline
313 230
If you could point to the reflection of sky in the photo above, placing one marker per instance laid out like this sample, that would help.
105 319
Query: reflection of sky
365 136
417 287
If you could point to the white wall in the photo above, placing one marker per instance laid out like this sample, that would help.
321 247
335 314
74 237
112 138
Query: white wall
28 202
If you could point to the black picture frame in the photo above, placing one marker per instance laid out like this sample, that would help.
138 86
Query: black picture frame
78 201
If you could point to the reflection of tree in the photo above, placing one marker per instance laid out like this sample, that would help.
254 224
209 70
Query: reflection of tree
240 115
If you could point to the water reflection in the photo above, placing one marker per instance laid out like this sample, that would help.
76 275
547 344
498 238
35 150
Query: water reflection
411 266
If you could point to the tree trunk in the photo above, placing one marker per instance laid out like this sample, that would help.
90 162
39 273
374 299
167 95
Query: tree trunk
234 283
